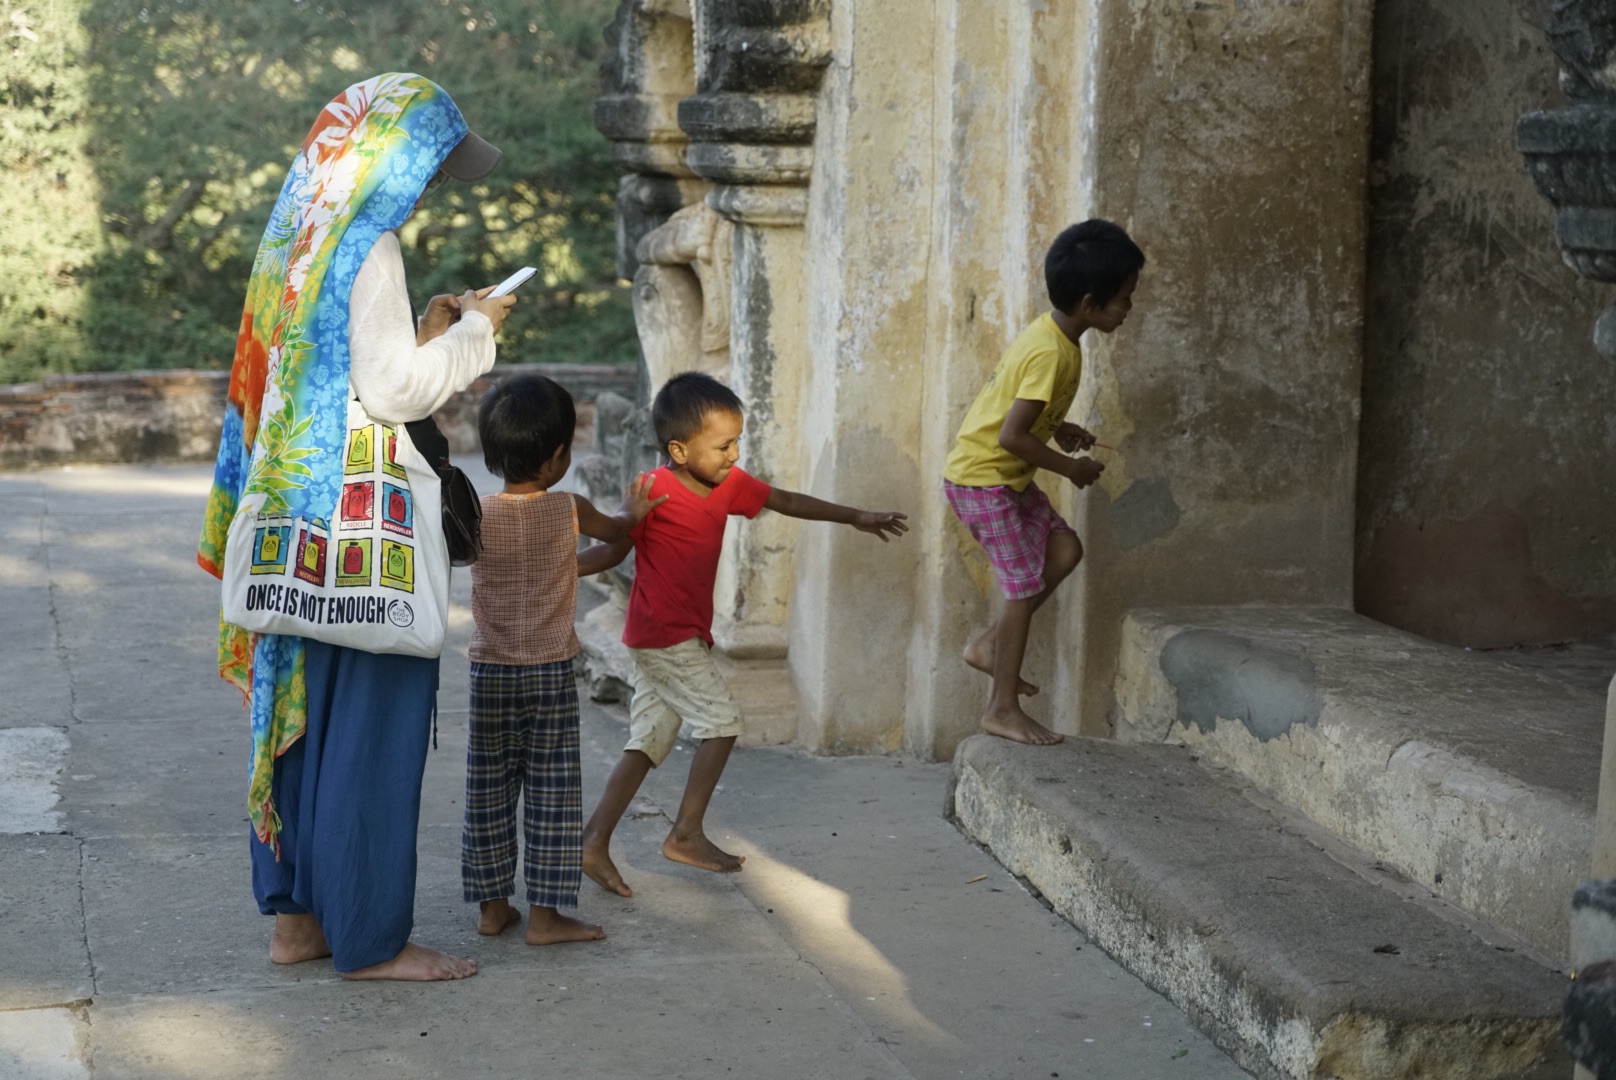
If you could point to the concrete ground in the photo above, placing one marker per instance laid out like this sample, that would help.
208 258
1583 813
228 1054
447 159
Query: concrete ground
866 937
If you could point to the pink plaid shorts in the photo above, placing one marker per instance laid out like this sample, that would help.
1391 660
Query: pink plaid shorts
1013 527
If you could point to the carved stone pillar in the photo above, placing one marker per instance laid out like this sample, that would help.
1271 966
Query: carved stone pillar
758 65
1571 150
648 69
1571 154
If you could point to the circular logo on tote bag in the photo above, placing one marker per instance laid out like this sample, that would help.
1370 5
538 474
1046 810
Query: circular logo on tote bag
400 613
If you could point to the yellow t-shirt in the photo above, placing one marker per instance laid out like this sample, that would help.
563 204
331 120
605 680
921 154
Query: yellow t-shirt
1043 364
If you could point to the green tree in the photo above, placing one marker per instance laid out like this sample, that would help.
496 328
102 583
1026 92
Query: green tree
49 231
195 110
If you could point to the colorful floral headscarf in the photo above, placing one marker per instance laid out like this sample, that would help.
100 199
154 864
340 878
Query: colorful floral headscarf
361 170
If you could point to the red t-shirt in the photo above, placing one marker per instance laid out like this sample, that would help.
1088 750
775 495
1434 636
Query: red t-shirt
676 551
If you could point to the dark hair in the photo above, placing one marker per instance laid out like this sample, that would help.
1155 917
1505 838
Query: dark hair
1094 258
681 406
522 421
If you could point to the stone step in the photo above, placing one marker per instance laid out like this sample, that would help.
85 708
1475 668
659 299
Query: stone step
1292 961
1475 775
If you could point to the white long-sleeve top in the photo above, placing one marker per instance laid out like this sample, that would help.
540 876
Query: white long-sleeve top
396 380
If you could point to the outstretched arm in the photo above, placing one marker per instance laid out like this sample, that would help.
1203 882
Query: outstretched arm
808 508
614 527
1016 436
599 558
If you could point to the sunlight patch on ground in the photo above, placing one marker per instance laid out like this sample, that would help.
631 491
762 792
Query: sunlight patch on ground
15 571
820 921
180 1039
43 1044
128 480
31 762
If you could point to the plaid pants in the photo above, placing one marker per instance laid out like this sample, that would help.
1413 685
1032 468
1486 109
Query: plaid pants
524 740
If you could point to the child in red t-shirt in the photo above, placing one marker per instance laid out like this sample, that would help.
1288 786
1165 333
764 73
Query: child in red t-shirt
670 613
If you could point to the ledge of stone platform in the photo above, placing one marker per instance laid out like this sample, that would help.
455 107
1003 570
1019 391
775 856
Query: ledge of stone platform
1475 776
1296 965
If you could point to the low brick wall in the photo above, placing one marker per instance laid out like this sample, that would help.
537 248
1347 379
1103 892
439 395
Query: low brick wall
139 416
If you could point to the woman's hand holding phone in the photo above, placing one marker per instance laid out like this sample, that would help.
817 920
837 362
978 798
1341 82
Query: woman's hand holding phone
494 307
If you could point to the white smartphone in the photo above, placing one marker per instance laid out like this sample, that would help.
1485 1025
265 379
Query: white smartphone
509 284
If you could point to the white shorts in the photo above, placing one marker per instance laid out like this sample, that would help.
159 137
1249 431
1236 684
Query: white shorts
674 685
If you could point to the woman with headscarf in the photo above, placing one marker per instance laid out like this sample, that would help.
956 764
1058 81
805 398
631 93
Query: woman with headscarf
340 734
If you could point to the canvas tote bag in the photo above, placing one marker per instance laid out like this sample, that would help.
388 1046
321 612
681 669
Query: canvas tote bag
375 577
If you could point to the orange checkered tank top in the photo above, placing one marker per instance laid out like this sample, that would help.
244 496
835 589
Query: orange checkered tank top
524 584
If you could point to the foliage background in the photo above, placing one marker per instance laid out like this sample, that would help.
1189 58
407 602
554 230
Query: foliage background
142 145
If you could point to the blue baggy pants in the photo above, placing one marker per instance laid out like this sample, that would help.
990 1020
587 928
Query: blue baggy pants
349 797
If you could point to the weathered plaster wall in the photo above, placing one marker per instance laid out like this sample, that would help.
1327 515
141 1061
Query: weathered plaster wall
954 140
1488 456
1231 140
865 280
1012 92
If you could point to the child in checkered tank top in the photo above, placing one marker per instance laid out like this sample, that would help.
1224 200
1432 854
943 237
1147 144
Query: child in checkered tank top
524 699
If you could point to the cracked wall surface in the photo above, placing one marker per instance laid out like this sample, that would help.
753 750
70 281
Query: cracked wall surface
1486 428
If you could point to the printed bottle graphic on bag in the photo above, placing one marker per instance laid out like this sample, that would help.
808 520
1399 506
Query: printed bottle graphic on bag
398 566
270 546
356 501
310 564
353 561
359 452
397 509
390 464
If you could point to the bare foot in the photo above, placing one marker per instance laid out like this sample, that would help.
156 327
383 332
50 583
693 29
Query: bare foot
702 853
547 926
1017 726
415 963
599 868
497 916
979 655
296 938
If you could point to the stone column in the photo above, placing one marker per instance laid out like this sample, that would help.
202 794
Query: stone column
751 129
649 67
1571 154
867 281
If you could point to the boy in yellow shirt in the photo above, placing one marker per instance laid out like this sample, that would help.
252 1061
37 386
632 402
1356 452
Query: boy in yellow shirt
1091 271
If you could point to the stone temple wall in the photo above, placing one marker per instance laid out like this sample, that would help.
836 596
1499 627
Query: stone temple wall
892 172
1488 455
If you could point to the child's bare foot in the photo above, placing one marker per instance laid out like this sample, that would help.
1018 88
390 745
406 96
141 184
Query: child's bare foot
547 926
497 916
296 938
702 853
1017 726
979 655
414 963
599 868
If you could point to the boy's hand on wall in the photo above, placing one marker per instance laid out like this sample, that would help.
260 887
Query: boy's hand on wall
1072 438
637 500
1084 471
879 523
